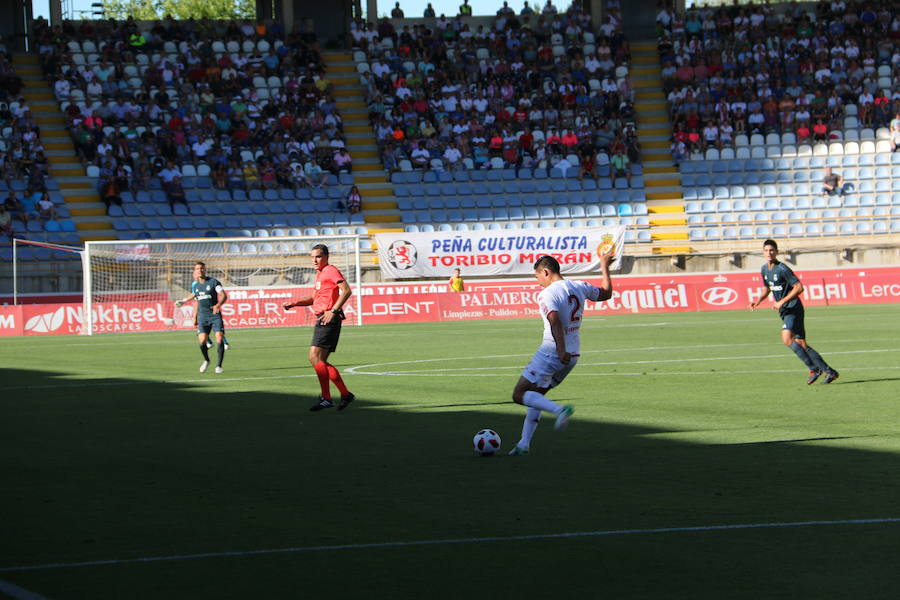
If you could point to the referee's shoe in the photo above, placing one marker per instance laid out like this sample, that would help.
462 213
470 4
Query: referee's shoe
346 400
321 404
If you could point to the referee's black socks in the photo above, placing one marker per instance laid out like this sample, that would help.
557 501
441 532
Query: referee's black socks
221 350
204 352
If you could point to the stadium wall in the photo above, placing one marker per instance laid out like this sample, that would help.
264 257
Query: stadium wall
482 300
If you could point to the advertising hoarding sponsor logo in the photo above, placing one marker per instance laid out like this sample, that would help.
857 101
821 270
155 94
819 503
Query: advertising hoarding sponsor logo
719 296
401 302
403 255
46 322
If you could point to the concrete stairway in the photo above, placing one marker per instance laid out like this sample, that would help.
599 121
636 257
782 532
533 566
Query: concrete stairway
88 213
665 201
379 203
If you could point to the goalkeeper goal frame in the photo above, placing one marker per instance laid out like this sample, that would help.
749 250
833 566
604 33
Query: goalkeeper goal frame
130 270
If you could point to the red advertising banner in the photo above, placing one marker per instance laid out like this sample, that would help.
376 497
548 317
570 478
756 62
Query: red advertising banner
423 302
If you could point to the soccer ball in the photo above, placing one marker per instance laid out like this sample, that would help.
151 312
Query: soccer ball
486 442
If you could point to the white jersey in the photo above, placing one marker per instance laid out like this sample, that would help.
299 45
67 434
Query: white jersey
567 298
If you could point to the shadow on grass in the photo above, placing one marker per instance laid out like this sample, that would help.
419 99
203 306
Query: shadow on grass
856 381
130 469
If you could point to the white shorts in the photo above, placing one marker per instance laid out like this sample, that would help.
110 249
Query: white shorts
546 371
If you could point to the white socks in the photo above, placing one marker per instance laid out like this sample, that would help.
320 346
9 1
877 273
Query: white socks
532 418
541 402
536 403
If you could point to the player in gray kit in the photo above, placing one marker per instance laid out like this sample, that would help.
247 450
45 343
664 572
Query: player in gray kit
786 289
210 297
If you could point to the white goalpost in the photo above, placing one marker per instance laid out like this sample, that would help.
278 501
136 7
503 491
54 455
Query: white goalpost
122 278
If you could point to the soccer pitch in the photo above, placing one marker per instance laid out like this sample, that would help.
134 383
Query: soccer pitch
698 464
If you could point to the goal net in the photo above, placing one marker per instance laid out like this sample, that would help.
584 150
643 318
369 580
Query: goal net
132 285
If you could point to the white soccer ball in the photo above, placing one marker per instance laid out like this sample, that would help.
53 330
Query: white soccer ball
486 442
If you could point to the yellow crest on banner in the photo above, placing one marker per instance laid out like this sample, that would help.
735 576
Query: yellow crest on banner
607 245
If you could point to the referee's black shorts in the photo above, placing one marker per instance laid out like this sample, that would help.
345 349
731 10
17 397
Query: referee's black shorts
327 336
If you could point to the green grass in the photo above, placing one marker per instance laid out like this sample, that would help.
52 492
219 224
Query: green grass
114 447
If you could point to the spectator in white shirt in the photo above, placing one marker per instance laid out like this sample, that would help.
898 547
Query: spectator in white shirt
452 157
63 89
201 148
420 158
169 173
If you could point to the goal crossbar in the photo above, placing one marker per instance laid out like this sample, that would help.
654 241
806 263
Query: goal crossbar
159 270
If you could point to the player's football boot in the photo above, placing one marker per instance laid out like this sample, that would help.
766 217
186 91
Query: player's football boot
203 366
830 376
813 375
322 403
562 419
227 345
518 451
209 343
345 401
220 370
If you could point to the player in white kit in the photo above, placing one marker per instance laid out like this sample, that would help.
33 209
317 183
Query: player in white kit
561 303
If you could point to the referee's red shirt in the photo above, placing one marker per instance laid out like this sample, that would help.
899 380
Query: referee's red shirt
327 291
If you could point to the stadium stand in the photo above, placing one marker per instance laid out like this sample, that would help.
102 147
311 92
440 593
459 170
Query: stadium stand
239 116
773 79
506 122
511 112
29 191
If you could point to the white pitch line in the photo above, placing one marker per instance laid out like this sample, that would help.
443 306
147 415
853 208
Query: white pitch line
18 593
357 371
621 373
453 541
471 372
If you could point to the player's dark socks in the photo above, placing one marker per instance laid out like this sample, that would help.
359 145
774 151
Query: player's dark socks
221 350
818 360
801 353
204 352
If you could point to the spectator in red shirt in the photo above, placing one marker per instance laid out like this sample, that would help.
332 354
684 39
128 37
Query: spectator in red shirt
330 295
588 166
526 140
496 144
693 139
554 142
820 131
510 154
569 140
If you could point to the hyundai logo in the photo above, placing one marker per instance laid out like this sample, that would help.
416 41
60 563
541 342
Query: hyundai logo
719 296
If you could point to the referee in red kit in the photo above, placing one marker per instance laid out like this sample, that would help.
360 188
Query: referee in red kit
332 291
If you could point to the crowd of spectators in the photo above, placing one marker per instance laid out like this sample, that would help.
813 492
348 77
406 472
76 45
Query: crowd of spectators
524 90
24 167
792 69
247 104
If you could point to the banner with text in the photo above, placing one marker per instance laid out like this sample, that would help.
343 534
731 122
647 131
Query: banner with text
482 300
494 252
